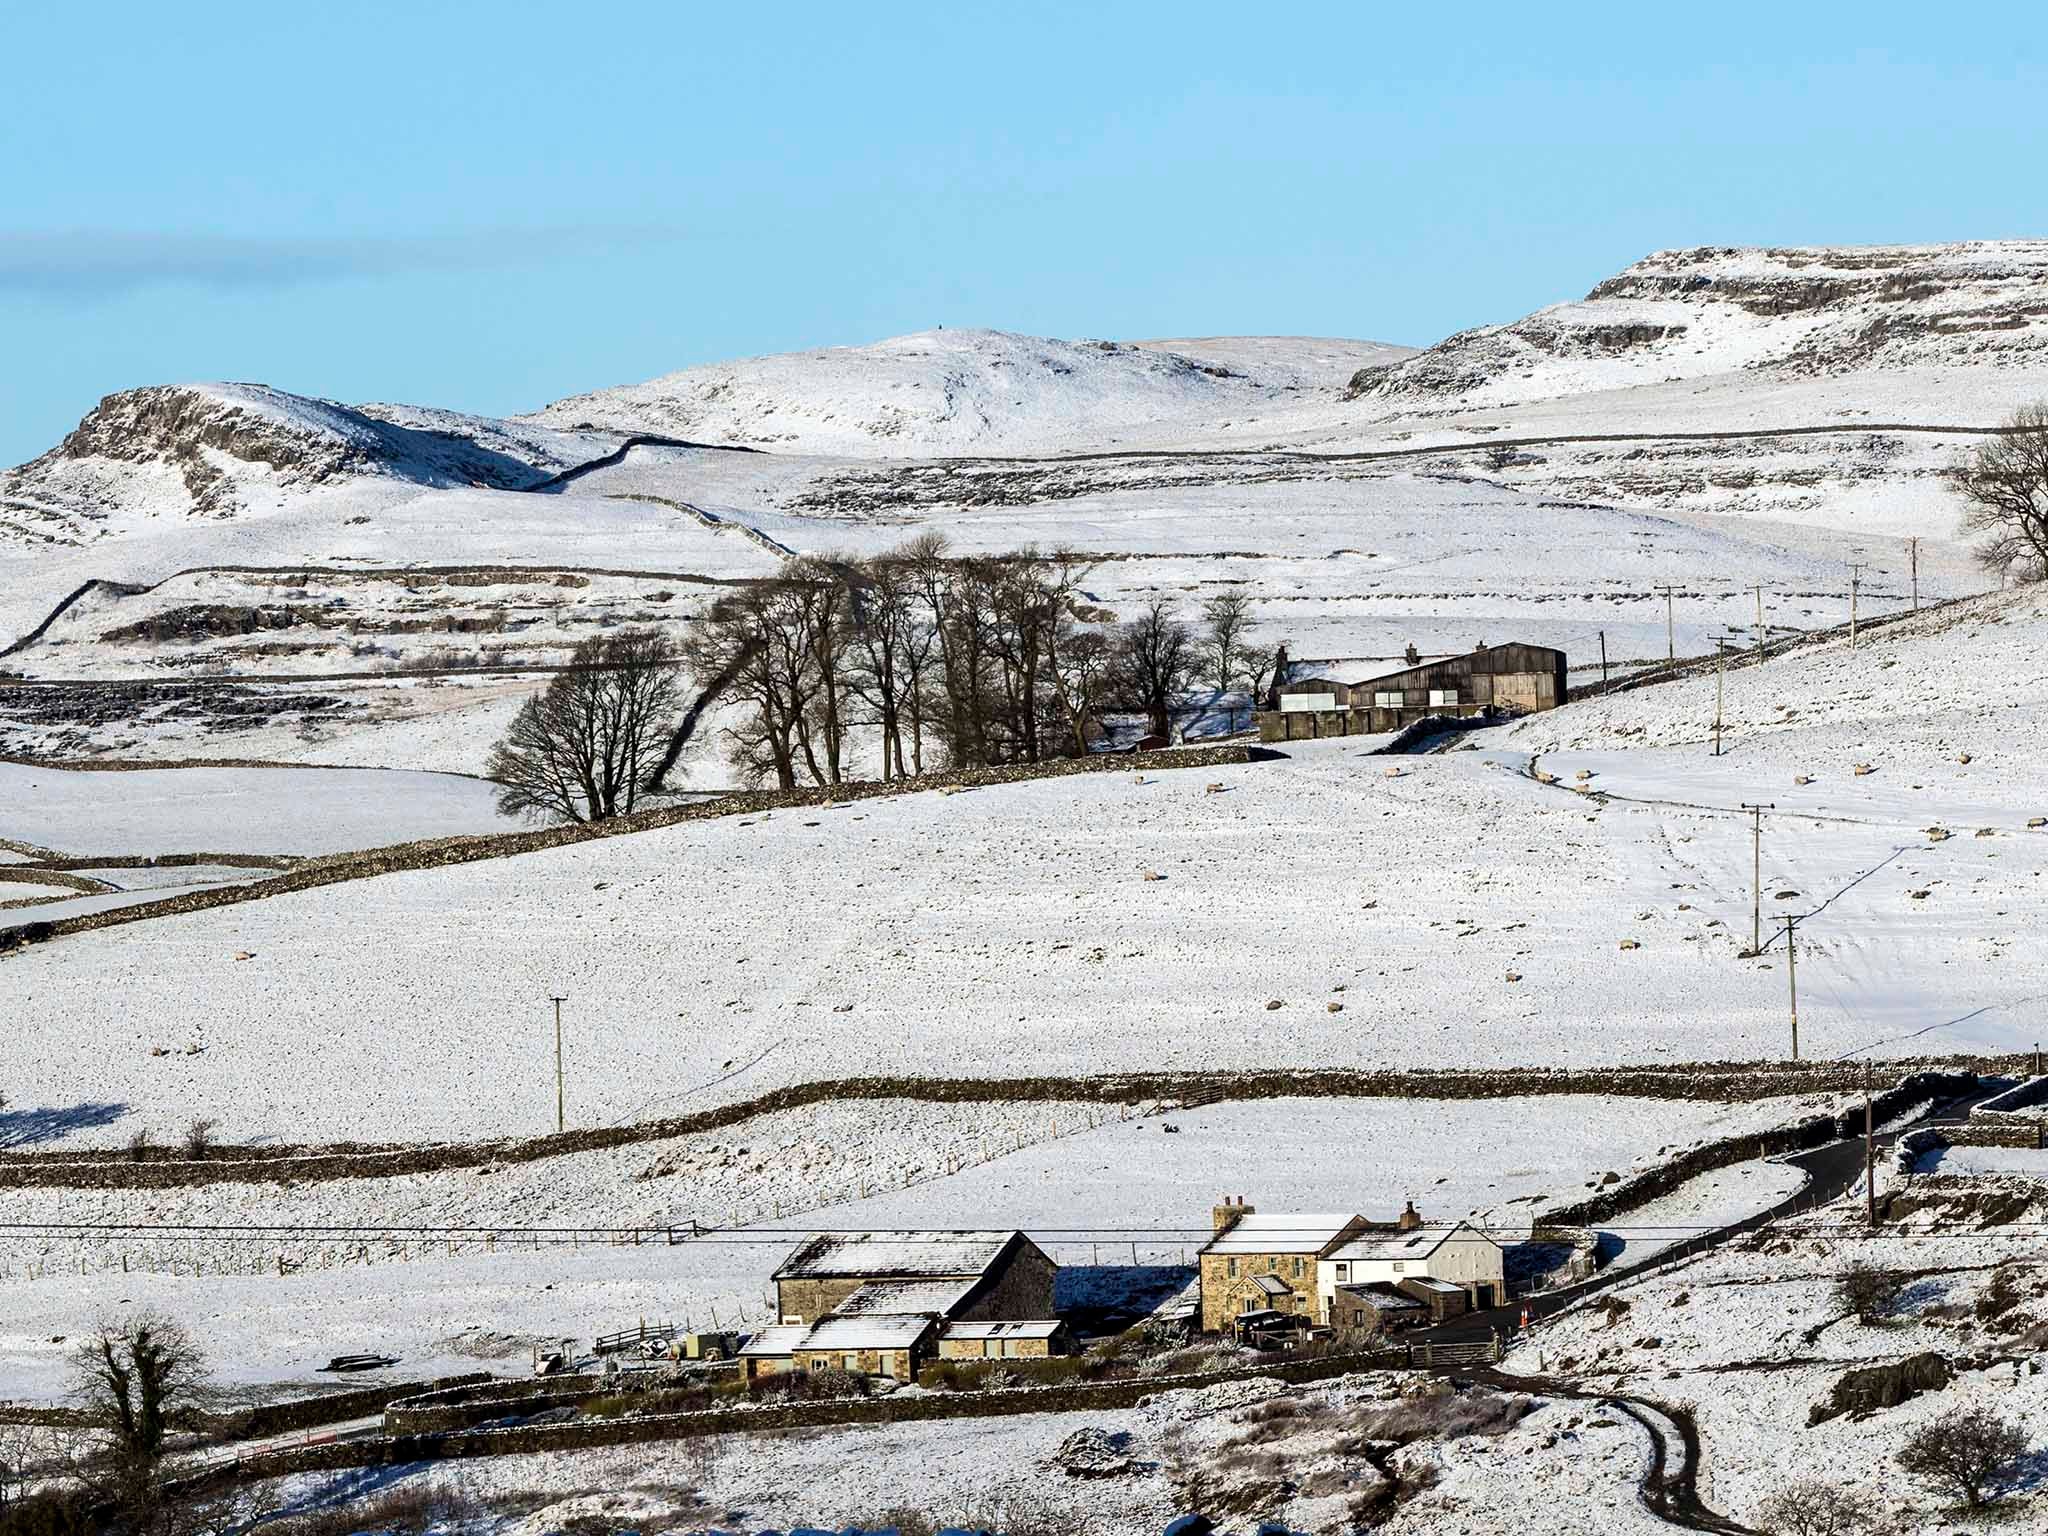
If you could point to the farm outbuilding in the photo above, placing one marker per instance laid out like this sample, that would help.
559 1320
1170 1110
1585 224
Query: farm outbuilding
1370 696
884 1303
1003 1341
1449 1268
962 1276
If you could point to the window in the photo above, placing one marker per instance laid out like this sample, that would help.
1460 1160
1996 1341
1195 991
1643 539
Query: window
1399 1266
1390 698
1298 1270
1343 1271
1249 1304
1441 696
1230 1268
1272 1263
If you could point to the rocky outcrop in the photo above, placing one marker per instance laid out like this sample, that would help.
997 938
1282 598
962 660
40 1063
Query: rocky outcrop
217 439
1868 1389
1709 310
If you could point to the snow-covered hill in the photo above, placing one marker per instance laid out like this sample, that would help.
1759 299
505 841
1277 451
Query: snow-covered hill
1980 306
218 450
976 391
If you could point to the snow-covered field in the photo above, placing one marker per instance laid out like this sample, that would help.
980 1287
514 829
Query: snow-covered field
1092 1188
148 812
1459 912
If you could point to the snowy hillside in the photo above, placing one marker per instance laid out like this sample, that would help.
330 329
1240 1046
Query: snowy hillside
1686 314
973 391
216 450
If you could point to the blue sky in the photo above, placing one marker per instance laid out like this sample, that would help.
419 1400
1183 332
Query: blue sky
491 206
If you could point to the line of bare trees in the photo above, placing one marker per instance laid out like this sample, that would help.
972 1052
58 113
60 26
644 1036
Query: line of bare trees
939 660
950 661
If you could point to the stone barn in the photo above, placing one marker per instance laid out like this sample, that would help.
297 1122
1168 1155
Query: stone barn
959 1276
1370 697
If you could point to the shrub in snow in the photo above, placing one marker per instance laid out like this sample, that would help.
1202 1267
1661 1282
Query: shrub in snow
1971 1453
1866 1291
1814 1508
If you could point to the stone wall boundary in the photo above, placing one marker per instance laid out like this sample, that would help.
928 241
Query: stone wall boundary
442 852
1724 1082
897 1408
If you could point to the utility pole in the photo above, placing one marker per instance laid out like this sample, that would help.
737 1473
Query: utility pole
1756 856
1869 1153
561 1120
1670 633
1603 655
1792 978
1720 686
1759 623
1913 548
1855 580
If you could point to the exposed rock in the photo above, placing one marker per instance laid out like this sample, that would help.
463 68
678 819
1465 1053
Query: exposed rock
1867 1389
1093 1452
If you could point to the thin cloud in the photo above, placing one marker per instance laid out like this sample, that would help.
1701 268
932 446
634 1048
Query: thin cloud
88 264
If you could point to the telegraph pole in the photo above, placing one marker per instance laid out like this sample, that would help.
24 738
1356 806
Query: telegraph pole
1869 1153
1855 580
561 1120
1720 686
1759 623
1756 856
1792 978
1603 655
1670 631
1913 548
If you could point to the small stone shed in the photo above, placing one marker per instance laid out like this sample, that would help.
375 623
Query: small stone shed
1004 1341
884 1345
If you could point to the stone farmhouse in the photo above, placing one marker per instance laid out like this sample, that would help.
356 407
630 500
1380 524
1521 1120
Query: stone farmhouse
1345 1271
1258 1263
1369 696
883 1303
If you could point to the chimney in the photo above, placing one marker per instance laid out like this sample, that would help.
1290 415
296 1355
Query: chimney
1227 1215
1279 676
1413 656
1409 1220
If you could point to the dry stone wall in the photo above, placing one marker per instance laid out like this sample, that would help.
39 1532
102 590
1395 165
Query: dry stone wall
436 853
1725 1082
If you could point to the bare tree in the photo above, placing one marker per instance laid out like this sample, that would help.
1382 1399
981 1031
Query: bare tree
1078 657
26 1451
815 609
583 749
133 1380
887 635
2005 483
1970 1452
1814 1508
1226 624
1154 658
1260 667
